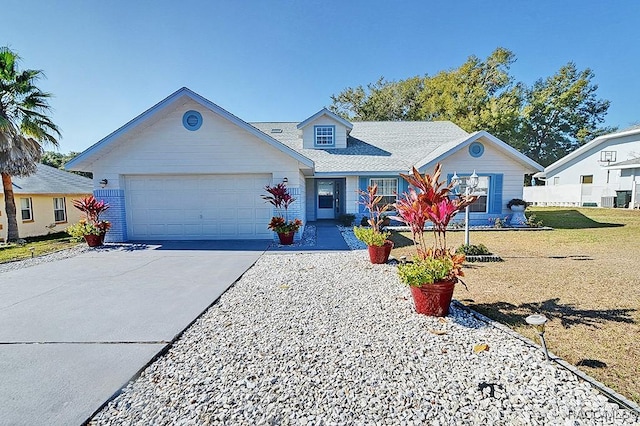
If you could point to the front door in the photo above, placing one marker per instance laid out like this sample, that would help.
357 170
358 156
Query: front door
326 199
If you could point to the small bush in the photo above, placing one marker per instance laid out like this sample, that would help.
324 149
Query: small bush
346 219
534 222
370 237
364 221
473 250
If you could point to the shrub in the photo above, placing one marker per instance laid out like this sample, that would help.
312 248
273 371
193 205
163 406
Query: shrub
370 236
426 271
473 250
346 219
516 202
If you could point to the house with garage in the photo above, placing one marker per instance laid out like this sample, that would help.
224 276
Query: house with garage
186 169
44 201
604 172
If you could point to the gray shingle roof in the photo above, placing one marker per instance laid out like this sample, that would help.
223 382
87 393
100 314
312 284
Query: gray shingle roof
49 180
374 146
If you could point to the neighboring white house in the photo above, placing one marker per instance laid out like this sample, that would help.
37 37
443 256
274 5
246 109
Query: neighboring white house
187 169
594 174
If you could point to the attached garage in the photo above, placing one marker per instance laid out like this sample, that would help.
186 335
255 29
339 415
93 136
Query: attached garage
200 207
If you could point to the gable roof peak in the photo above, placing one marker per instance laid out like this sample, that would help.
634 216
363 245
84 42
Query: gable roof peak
326 112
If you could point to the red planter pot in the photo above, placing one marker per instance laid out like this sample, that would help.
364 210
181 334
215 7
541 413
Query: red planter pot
433 299
286 238
94 240
380 254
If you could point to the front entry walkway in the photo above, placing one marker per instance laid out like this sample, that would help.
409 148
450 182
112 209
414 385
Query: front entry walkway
327 238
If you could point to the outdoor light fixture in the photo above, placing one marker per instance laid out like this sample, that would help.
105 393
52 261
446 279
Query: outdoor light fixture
285 180
103 183
470 187
538 321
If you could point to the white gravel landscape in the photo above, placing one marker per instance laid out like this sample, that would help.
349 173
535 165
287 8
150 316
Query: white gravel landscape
330 339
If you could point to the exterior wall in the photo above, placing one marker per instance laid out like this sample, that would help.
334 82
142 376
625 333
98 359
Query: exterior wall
43 222
351 195
166 147
308 133
217 147
589 163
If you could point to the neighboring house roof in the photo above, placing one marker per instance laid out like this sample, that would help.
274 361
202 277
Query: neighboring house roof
82 161
388 146
634 163
633 130
49 180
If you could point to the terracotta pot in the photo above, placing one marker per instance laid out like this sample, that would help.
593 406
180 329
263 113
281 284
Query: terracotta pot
286 238
433 299
380 254
94 240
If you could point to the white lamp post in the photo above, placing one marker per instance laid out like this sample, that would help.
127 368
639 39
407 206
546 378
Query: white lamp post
472 184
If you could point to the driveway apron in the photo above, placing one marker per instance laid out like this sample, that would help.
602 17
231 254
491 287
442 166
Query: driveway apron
74 331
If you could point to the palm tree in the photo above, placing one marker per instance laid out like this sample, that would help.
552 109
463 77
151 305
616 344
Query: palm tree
24 126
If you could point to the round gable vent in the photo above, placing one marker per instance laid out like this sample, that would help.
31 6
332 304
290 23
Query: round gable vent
476 149
192 120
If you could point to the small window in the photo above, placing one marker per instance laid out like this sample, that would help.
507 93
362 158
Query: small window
59 210
586 179
482 191
387 188
324 135
607 156
556 180
26 208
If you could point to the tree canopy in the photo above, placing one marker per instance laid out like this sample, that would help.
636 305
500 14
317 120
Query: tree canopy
546 121
24 127
58 160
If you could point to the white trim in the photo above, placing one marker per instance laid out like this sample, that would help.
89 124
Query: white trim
512 152
329 114
89 155
589 145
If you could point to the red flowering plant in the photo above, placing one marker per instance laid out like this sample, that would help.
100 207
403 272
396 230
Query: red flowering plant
91 224
280 198
430 200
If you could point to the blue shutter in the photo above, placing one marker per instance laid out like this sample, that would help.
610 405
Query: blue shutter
364 182
495 192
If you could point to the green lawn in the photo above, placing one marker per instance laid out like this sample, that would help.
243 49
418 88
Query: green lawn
36 246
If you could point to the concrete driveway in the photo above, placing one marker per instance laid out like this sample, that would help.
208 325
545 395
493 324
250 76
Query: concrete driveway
74 331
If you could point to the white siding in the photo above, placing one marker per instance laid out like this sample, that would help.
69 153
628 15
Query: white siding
308 132
165 146
589 163
492 161
351 194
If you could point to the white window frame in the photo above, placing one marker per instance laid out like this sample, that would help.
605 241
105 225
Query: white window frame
26 208
480 190
57 208
556 180
387 188
607 156
324 136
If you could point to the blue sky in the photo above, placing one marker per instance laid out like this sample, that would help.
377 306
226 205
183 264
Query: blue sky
106 62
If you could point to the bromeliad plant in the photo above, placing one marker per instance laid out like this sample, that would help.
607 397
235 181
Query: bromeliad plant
430 200
280 198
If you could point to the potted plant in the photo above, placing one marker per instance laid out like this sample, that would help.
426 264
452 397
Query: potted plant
434 269
91 227
517 207
378 245
280 198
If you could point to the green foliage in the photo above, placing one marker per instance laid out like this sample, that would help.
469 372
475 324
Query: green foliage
58 160
82 228
425 271
370 236
473 250
534 222
545 121
516 202
346 219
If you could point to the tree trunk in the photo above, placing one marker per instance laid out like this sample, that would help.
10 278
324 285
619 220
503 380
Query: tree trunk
10 208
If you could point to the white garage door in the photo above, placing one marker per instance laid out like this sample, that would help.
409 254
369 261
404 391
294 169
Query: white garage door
197 207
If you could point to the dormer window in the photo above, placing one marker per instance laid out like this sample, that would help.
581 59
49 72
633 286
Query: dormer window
324 136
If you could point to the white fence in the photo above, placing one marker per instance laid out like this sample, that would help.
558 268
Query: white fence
572 195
